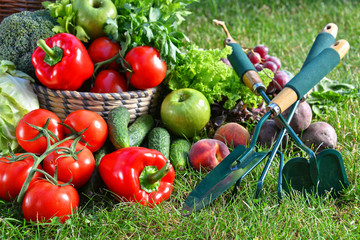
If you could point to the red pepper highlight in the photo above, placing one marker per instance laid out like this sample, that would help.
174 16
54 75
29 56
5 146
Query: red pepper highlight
62 62
138 174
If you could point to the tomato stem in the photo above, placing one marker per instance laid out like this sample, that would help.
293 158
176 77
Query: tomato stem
37 161
107 62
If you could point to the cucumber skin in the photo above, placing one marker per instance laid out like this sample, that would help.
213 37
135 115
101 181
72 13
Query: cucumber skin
118 121
159 139
139 129
179 151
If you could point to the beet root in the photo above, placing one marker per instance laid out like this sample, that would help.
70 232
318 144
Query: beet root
269 133
319 136
301 119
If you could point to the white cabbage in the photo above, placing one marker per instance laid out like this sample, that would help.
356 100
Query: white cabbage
16 99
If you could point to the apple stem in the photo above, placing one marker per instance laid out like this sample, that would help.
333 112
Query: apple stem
181 97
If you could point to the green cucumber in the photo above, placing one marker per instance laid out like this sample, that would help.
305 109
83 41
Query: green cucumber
139 129
118 121
159 139
179 151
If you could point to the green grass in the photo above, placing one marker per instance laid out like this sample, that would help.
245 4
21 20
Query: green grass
288 29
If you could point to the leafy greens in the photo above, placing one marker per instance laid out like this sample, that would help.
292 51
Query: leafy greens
63 11
328 93
204 71
16 99
150 22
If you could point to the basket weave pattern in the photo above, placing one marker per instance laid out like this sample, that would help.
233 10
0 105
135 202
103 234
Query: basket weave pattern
8 7
62 103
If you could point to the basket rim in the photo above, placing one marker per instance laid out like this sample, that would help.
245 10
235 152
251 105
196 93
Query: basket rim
94 96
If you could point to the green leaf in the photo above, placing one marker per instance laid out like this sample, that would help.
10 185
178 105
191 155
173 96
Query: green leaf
58 29
111 29
154 14
66 17
173 50
328 93
152 23
148 32
81 34
204 71
7 66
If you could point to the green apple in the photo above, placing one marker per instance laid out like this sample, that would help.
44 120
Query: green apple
185 112
92 15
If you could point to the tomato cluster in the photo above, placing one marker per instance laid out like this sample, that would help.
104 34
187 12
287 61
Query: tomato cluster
141 67
63 151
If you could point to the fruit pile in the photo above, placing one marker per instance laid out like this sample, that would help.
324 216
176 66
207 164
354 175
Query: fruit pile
316 135
260 58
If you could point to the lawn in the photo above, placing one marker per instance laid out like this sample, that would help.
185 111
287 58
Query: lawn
288 28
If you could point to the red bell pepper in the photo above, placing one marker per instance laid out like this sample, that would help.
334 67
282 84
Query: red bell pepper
138 174
62 62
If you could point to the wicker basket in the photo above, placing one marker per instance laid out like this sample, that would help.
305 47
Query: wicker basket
8 7
62 103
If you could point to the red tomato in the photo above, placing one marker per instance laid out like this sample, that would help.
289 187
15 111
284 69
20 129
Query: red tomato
102 49
37 117
148 70
96 132
79 170
109 81
45 200
13 175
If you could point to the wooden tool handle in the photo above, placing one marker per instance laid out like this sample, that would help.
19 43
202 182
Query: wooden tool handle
241 63
309 76
323 40
331 28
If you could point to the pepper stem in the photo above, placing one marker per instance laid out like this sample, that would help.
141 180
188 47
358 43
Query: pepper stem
53 55
150 177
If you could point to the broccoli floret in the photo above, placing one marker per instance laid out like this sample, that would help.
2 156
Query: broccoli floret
19 33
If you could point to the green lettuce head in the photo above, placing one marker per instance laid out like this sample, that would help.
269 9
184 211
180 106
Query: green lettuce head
16 99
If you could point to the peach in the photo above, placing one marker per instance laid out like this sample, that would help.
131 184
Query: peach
207 153
232 134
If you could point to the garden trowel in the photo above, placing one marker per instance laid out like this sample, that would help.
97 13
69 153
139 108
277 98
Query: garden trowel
324 172
240 161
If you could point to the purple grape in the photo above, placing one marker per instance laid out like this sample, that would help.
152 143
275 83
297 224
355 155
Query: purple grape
271 88
254 57
275 60
258 66
271 65
262 50
282 79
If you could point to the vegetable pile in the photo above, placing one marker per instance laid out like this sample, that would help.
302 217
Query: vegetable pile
113 47
19 33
